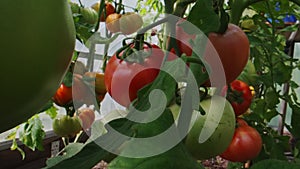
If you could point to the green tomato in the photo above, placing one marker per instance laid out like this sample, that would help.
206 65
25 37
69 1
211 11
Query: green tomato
89 15
212 132
66 126
38 39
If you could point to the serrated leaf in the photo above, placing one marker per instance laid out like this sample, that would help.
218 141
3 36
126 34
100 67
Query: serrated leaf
32 133
282 73
203 13
271 98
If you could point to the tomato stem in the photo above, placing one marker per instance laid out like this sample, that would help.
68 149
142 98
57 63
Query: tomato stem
80 3
101 10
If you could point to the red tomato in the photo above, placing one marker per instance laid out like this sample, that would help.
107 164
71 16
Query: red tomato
232 47
63 95
245 145
123 79
87 116
239 95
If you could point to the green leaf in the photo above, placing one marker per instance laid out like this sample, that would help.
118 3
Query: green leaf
32 133
203 16
271 98
282 73
177 157
269 115
200 71
52 112
295 120
272 163
68 79
70 150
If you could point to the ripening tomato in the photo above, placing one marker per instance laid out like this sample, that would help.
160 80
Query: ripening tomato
63 95
130 22
245 145
97 81
239 95
38 40
109 8
123 79
112 22
232 47
87 116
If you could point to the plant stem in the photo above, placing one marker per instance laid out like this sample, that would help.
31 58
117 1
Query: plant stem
101 9
80 3
180 7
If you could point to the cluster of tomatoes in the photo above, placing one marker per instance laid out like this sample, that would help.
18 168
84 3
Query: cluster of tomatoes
233 138
81 87
127 23
127 72
245 138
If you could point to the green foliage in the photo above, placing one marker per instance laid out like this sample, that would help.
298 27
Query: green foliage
32 133
271 164
274 69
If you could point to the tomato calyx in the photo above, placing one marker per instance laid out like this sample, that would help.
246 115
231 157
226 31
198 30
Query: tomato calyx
234 95
132 52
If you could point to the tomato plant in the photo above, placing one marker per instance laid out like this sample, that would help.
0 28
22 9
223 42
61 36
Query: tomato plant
239 95
124 78
63 95
66 126
232 47
273 111
245 145
202 147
